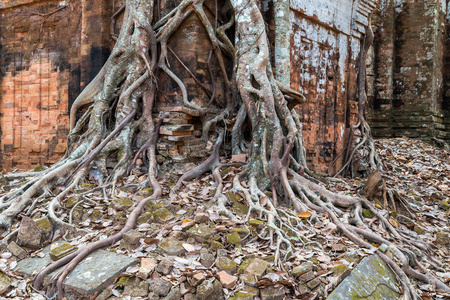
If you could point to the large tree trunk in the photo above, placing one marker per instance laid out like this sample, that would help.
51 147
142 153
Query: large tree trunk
118 126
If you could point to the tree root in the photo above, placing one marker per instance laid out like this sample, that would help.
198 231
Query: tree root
118 127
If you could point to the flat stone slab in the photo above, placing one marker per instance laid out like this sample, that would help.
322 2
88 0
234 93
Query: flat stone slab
92 274
370 280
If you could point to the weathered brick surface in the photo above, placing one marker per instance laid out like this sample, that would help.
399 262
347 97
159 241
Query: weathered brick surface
47 59
325 44
411 70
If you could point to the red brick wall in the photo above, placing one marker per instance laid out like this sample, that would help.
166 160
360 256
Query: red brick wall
39 74
47 59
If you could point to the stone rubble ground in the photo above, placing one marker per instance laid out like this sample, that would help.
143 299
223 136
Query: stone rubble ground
204 255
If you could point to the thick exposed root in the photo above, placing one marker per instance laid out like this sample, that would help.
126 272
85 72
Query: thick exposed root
360 150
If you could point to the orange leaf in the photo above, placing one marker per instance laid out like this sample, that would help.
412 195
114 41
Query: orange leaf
304 215
393 223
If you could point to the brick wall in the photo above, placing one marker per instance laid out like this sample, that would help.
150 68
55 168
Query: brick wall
39 63
411 77
50 51
325 45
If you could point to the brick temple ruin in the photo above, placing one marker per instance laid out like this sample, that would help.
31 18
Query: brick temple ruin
50 50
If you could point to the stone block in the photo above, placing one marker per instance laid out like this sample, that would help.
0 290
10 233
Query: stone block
91 275
370 277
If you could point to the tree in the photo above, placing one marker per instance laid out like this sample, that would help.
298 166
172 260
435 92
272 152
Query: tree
118 126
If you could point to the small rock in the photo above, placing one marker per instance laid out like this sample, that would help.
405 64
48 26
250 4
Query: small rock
46 227
132 237
186 288
163 215
215 245
60 250
125 281
146 217
153 296
256 223
5 283
339 269
257 267
174 294
145 192
303 268
104 295
159 286
205 290
339 248
207 259
189 296
29 234
442 238
17 251
226 279
148 265
201 217
251 290
249 279
306 277
224 263
137 291
313 283
303 289
201 232
196 279
243 232
273 293
122 203
187 224
171 246
164 266
233 238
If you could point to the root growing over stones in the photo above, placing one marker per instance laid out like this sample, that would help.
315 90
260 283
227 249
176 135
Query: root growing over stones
118 126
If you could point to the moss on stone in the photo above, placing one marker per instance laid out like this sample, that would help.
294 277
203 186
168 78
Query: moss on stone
162 215
224 263
215 245
70 202
367 214
122 203
241 231
339 269
233 238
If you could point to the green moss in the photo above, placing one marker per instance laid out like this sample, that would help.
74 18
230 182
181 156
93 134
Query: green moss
37 169
146 217
233 197
86 185
224 263
233 238
146 192
61 251
242 295
162 215
122 203
419 230
241 231
339 269
44 225
243 266
240 208
367 214
70 202
126 281
215 245
256 223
